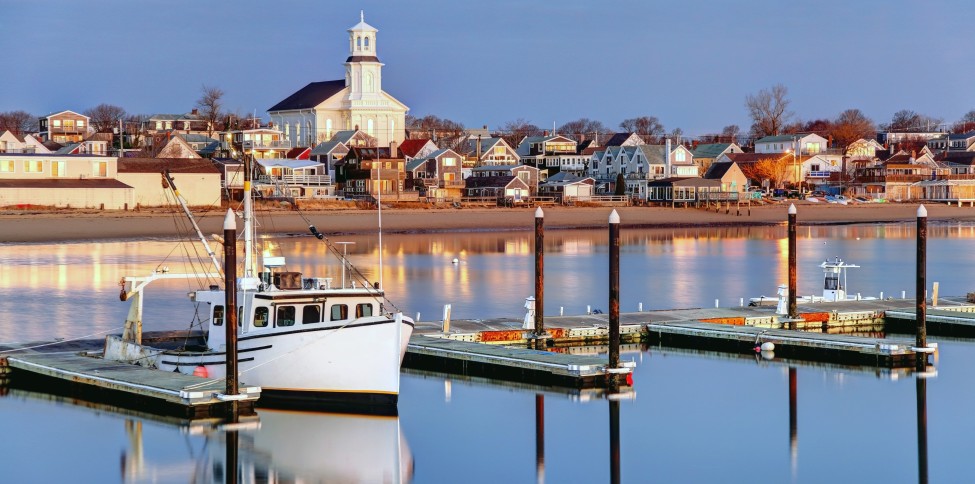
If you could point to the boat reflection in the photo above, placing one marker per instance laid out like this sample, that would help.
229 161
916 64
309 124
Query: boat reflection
295 446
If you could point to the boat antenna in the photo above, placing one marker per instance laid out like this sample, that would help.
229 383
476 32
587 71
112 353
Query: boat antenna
248 215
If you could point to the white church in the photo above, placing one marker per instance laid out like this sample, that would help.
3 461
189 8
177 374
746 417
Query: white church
319 110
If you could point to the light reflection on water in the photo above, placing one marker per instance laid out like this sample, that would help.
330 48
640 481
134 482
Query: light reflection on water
695 418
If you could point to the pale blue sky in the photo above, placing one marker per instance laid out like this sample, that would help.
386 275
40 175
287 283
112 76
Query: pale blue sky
690 63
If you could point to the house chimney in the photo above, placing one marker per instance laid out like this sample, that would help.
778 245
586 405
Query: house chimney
393 149
195 112
478 149
545 133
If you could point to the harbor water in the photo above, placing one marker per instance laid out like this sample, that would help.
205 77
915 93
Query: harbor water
696 417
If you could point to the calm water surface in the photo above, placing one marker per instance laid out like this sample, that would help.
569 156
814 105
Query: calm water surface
695 418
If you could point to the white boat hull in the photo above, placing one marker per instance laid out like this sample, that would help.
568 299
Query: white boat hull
356 362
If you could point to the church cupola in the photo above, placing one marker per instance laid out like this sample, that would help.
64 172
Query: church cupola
363 71
362 41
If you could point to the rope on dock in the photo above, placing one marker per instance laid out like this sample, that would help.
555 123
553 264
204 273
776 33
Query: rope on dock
57 342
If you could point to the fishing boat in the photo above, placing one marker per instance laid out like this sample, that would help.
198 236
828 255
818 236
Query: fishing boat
834 287
305 341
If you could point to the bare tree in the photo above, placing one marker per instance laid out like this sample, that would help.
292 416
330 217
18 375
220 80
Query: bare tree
431 126
583 127
908 121
514 131
965 124
647 127
850 126
18 122
105 117
768 110
134 125
772 169
209 104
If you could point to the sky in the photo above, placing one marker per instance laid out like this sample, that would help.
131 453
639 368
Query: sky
690 63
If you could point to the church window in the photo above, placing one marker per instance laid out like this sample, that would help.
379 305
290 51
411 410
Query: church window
369 83
369 126
328 128
358 42
367 43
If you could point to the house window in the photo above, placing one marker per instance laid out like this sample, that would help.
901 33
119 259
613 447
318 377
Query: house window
680 155
6 166
812 148
363 310
159 125
814 167
81 123
218 315
57 169
261 317
285 316
100 169
449 162
33 166
340 312
56 123
499 150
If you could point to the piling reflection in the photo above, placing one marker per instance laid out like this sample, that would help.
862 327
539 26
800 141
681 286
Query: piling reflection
793 425
539 438
921 393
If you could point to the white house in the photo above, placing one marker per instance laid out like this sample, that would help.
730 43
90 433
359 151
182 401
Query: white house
807 144
317 111
72 181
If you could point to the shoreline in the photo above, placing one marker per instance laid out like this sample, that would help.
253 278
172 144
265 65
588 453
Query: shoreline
83 225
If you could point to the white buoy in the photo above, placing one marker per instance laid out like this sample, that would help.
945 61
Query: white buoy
716 303
588 309
768 355
881 295
640 307
768 346
903 294
561 310
741 302
456 261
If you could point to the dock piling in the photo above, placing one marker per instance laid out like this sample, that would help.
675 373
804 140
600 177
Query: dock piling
446 318
539 273
614 290
793 312
230 305
922 239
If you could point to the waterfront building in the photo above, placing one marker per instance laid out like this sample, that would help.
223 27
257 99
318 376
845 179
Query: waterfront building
316 112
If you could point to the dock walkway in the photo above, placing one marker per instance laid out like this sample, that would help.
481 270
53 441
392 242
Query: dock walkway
169 392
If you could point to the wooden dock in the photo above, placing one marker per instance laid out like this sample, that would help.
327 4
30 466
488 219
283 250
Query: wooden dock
514 364
125 384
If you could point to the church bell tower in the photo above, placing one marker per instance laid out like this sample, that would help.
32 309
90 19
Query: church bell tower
363 71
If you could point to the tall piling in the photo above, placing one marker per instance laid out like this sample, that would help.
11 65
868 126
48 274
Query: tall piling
539 274
922 242
230 304
614 290
793 285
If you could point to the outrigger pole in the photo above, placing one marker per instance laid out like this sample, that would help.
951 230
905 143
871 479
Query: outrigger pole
169 183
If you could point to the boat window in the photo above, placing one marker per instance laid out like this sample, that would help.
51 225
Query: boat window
832 282
260 317
218 315
340 312
240 315
364 309
286 316
311 314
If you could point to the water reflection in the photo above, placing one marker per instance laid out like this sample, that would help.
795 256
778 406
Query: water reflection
921 393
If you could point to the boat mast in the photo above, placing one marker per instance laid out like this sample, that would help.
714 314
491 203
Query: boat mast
182 203
248 226
379 202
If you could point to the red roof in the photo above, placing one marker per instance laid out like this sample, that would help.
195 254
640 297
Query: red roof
411 147
298 153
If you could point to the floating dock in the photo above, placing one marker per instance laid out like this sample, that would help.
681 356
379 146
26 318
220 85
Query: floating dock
515 364
941 321
127 385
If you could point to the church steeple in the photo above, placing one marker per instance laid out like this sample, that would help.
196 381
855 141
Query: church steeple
363 71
